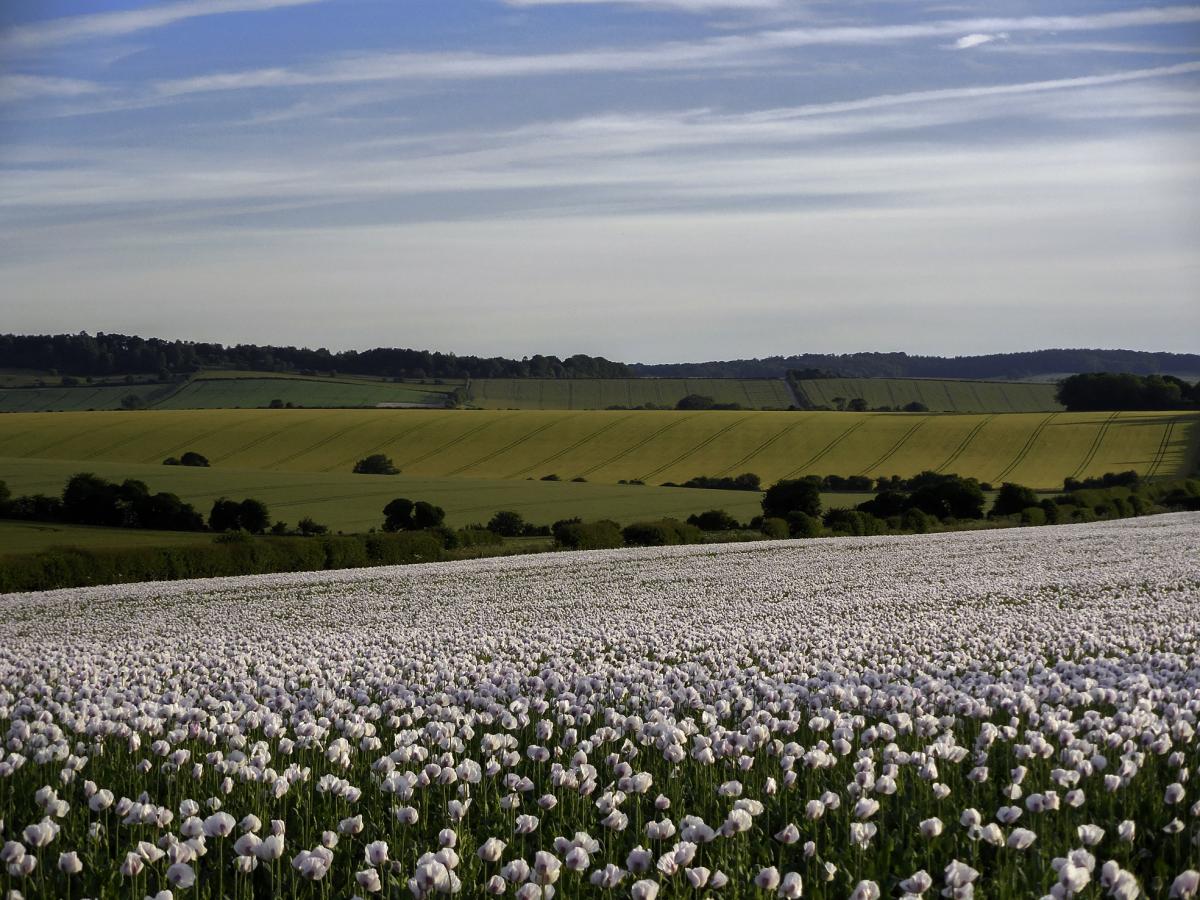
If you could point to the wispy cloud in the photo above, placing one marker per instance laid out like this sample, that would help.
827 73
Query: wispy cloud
73 29
742 49
696 6
30 87
967 41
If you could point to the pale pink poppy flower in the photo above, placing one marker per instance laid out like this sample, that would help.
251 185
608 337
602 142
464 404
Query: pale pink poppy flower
608 877
697 877
368 880
69 863
1186 885
1021 839
644 890
791 887
376 853
767 879
865 890
931 828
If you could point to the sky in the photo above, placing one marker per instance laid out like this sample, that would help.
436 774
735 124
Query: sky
647 180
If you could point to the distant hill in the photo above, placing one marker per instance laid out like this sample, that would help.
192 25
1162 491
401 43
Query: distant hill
1027 366
105 355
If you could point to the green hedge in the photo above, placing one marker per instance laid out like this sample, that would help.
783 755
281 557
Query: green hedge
74 567
602 535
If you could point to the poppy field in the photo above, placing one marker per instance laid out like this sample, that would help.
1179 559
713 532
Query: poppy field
998 714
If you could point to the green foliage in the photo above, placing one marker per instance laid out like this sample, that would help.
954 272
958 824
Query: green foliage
230 515
796 495
1013 499
602 535
775 528
1093 391
714 520
667 532
854 522
802 525
376 464
507 523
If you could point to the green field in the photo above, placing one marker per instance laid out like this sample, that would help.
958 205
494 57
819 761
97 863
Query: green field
937 394
602 393
352 503
1037 449
231 392
31 537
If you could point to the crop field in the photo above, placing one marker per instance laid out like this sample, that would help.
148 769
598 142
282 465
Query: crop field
1037 450
32 537
1010 711
77 399
226 392
354 503
938 395
602 393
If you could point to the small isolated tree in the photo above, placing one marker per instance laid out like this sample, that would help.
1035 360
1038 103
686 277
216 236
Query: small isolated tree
915 406
857 404
376 464
398 515
507 523
192 458
132 401
783 497
276 404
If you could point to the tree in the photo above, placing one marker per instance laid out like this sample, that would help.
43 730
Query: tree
308 527
714 520
376 464
426 515
507 523
225 515
253 516
858 404
799 495
398 515
695 401
192 458
1012 499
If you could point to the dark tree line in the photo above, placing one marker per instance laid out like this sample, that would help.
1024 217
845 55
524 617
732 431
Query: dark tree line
1108 391
1035 363
115 354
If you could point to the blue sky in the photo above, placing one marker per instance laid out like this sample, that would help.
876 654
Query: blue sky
653 181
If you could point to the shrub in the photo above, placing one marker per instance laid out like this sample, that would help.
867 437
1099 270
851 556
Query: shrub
854 522
802 525
601 535
192 458
1033 515
667 532
916 521
1013 499
714 520
309 528
775 529
376 464
507 522
478 537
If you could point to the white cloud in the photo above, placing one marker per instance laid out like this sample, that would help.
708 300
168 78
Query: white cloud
746 49
27 87
967 41
73 29
696 6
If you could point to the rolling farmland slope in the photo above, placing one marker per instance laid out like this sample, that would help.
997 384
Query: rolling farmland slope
937 394
602 393
1038 449
353 503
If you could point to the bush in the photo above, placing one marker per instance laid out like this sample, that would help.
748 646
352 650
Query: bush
667 532
784 497
376 464
249 515
854 522
192 458
508 523
695 401
802 525
714 520
1013 499
1033 515
478 537
601 535
774 529
916 521
309 528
